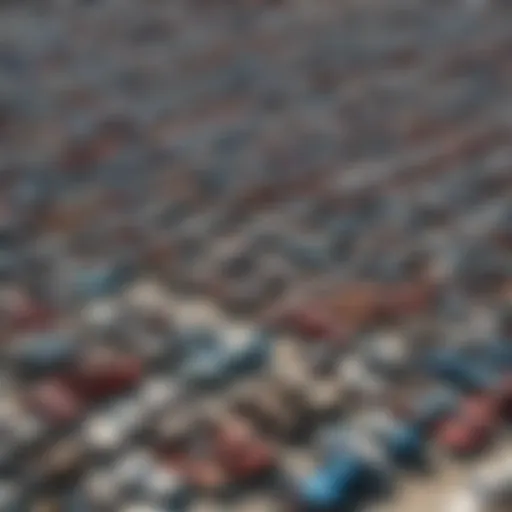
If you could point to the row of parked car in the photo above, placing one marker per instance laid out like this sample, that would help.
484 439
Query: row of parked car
334 172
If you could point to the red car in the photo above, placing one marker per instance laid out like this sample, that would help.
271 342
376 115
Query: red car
314 322
481 410
473 426
55 402
27 314
200 472
407 299
463 437
100 378
240 452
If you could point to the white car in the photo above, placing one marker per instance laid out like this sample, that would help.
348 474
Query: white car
166 488
102 489
156 396
357 438
103 435
360 381
387 353
131 472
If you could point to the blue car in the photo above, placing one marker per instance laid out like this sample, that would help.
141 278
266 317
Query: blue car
458 371
320 492
101 281
340 484
198 340
498 355
405 446
45 353
250 357
434 406
205 370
